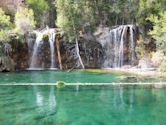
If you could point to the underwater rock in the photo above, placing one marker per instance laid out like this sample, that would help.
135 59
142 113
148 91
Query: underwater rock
60 84
158 86
129 79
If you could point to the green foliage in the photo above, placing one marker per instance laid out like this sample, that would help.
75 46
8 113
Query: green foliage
163 67
148 7
24 20
39 7
5 25
40 4
140 48
94 13
46 37
152 15
159 29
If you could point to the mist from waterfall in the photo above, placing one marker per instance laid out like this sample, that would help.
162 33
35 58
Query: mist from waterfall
36 47
119 46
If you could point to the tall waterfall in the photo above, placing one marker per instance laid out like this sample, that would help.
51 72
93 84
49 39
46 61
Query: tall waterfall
51 41
119 46
38 42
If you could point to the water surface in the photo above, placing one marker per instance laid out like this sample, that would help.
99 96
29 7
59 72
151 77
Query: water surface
75 105
54 76
78 76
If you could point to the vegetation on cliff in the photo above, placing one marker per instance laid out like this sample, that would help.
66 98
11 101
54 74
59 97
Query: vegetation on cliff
85 16
5 25
24 20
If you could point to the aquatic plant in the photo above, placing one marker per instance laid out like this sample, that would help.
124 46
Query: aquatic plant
60 84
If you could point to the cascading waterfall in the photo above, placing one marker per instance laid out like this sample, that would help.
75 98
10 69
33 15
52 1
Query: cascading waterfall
133 57
39 37
38 42
119 46
52 40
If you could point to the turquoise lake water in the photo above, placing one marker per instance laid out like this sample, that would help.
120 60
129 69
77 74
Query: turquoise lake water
79 105
54 76
86 105
78 76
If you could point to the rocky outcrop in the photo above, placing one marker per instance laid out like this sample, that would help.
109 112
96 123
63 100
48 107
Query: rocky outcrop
19 52
103 48
6 64
145 63
158 58
90 51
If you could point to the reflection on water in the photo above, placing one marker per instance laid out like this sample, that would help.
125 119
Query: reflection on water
46 105
81 105
39 97
131 99
52 101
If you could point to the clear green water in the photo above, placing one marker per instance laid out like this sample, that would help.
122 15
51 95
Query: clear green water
47 105
54 76
69 77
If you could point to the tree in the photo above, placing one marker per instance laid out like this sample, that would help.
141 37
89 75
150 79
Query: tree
70 19
44 12
149 7
5 25
159 29
24 20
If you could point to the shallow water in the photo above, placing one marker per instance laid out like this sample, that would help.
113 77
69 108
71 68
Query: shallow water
78 76
76 105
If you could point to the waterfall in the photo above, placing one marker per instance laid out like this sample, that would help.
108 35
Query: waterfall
37 45
119 46
132 44
52 40
39 38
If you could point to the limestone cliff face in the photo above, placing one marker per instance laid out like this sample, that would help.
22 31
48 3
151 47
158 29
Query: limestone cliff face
6 64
